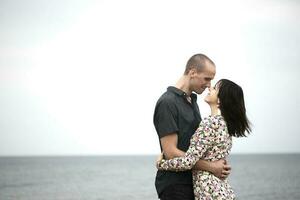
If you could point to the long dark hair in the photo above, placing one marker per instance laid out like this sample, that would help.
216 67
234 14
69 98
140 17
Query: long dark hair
232 108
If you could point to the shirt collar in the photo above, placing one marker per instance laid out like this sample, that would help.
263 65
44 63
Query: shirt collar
181 93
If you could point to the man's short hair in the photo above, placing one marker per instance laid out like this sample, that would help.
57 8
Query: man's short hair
198 62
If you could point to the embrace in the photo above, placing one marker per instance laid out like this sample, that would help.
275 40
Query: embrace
193 163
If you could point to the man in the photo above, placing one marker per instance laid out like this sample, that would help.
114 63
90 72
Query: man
176 118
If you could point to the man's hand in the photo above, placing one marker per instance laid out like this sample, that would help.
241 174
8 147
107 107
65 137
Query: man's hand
220 169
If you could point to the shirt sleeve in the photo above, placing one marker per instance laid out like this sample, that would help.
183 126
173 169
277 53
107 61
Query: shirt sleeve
200 142
165 118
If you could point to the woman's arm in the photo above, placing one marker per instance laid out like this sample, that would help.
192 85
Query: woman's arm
200 141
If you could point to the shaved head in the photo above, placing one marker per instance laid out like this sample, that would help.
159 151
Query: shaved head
198 62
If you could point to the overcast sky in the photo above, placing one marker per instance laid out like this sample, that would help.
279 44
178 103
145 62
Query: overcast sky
83 77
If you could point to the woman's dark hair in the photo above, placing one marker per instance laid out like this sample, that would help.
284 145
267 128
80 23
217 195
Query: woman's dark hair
232 108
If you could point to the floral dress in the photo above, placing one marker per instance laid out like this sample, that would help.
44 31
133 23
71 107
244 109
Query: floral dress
211 142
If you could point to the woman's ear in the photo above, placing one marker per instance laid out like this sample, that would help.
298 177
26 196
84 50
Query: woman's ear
218 103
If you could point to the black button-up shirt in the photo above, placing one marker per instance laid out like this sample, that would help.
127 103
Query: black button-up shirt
175 114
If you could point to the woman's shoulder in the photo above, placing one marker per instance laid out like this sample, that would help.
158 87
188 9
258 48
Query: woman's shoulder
213 121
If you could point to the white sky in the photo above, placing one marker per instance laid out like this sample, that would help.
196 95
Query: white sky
83 77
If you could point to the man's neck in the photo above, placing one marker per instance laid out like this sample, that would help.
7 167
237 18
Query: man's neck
183 84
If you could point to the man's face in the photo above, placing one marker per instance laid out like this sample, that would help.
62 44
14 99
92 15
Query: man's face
202 80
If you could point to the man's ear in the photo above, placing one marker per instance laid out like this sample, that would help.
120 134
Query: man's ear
192 73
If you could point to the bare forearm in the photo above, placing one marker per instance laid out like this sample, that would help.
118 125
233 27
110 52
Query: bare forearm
219 168
203 165
169 146
172 153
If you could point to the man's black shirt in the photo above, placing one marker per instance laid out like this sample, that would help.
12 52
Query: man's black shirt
175 114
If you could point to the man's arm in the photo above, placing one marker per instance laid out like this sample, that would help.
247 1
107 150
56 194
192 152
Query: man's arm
169 146
218 168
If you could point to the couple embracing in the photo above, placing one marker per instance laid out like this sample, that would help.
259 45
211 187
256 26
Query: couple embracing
193 163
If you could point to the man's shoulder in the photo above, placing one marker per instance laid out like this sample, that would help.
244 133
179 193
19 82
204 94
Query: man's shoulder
167 97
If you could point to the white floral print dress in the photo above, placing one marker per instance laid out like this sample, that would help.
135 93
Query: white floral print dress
211 142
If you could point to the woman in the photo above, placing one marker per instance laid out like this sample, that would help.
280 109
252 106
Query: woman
213 140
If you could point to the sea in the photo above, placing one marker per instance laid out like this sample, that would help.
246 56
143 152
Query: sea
253 177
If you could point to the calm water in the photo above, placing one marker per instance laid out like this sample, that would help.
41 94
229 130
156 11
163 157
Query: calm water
253 177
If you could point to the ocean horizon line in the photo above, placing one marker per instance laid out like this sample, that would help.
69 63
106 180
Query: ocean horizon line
132 155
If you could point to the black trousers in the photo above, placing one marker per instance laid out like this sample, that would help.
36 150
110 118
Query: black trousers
178 192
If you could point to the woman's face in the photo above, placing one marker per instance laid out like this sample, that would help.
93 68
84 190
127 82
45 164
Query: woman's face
212 95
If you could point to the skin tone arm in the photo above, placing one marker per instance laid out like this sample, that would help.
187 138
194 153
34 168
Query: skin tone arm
218 168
